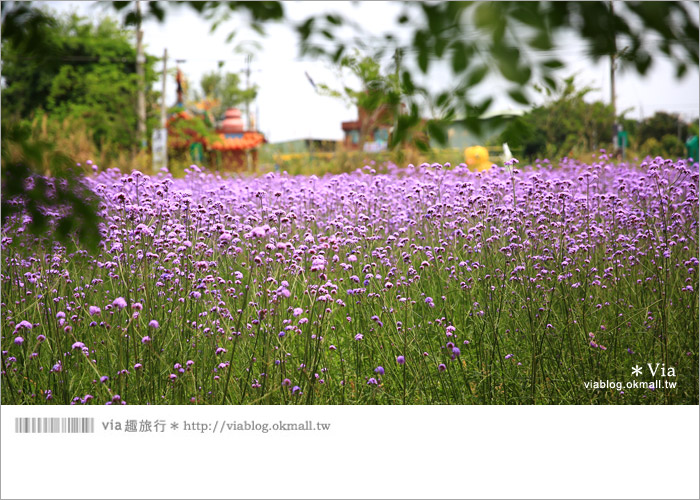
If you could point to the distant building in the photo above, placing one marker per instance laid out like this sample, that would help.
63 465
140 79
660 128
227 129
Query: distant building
228 147
307 145
231 151
375 126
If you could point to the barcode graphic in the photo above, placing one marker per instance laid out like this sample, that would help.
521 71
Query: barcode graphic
55 425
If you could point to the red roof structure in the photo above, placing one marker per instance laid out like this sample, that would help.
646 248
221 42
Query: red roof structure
232 148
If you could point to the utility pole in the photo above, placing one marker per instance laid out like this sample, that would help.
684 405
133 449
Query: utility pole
141 100
398 54
248 58
612 77
163 107
160 136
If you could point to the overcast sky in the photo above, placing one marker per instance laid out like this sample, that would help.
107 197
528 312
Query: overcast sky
289 108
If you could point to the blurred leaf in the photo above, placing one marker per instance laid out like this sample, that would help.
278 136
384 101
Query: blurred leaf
549 82
553 64
442 99
681 70
642 61
407 82
518 96
438 131
541 41
459 57
156 10
304 29
422 145
477 75
423 59
333 19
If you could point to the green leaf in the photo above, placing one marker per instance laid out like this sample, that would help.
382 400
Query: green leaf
477 75
550 83
459 57
305 28
338 53
440 46
681 70
442 99
407 83
333 19
642 61
541 41
422 146
438 131
423 59
553 64
518 96
486 15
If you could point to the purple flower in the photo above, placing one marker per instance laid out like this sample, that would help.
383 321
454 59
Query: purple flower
379 370
372 381
94 310
442 367
400 360
153 324
78 345
23 324
138 366
119 302
146 340
296 389
41 338
456 352
508 356
359 336
298 311
104 378
19 340
286 382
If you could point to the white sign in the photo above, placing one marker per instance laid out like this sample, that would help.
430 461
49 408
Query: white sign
374 147
159 148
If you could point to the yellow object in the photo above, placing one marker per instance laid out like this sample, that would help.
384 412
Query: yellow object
477 158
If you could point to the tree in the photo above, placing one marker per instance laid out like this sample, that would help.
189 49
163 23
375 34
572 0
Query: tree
660 125
90 76
225 90
61 68
378 99
502 39
567 123
488 38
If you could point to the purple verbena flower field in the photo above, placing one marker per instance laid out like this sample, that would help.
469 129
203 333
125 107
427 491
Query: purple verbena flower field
413 285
